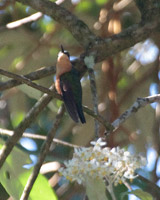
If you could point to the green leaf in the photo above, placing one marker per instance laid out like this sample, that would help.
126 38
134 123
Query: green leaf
138 193
15 62
41 189
141 194
14 177
17 117
84 6
101 2
123 82
59 103
95 189
120 192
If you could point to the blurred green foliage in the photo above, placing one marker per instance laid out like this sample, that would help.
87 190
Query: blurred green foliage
14 177
120 80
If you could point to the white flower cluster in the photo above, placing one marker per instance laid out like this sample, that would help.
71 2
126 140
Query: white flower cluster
115 165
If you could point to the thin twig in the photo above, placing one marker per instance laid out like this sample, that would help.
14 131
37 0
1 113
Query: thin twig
25 20
18 132
94 98
27 81
108 126
41 73
38 137
139 103
43 153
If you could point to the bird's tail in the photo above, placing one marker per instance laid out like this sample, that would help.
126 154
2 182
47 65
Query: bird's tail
81 114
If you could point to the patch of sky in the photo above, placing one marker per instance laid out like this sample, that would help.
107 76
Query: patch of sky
145 52
131 196
131 148
47 19
28 143
54 78
158 168
27 9
151 159
75 1
33 163
153 89
158 183
159 75
72 58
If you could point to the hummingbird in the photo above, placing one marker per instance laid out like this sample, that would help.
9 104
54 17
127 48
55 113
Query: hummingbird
68 85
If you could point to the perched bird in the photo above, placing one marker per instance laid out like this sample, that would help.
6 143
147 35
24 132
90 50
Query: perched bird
68 85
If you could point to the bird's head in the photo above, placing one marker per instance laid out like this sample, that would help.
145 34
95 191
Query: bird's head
65 52
63 62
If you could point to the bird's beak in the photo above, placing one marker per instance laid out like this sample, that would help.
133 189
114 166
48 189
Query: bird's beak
62 49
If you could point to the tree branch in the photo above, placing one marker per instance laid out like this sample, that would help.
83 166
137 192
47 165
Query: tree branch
94 98
25 20
44 151
25 80
139 103
18 132
108 126
28 82
101 48
37 137
89 61
41 73
125 39
78 28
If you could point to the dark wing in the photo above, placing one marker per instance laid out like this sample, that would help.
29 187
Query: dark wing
68 98
76 86
80 113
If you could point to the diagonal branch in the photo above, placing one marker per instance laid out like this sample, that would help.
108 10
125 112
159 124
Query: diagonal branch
139 103
43 153
41 73
18 132
27 81
78 28
102 48
25 20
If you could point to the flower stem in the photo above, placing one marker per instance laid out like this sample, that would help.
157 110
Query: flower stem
110 189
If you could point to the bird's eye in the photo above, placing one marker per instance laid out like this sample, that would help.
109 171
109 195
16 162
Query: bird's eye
66 52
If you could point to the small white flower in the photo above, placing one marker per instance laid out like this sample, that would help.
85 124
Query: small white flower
114 165
99 142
